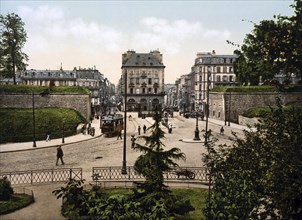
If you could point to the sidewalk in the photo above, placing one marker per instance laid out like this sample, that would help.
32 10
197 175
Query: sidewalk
11 147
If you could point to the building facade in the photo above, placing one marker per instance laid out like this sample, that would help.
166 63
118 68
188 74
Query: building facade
211 70
143 74
100 88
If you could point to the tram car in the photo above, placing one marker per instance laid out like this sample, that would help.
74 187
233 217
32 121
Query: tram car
111 125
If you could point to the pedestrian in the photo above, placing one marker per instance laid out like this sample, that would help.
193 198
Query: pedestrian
60 155
139 130
144 128
119 135
170 128
221 130
48 136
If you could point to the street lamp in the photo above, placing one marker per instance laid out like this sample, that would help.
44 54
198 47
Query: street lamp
149 106
196 138
207 106
63 128
124 168
34 121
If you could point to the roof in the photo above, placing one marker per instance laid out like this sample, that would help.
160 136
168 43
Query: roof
143 60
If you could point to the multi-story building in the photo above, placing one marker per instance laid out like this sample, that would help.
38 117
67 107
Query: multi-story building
99 87
212 70
144 76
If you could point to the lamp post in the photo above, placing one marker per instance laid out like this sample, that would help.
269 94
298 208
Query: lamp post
207 106
63 128
149 106
230 109
196 138
34 121
124 168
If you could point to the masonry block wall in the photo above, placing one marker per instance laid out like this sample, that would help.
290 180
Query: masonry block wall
228 106
78 102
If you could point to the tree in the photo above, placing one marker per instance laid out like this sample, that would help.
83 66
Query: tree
13 38
259 176
273 47
156 200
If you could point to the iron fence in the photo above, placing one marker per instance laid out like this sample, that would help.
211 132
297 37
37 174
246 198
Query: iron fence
181 174
42 176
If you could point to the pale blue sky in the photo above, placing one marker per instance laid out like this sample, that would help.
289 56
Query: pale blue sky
96 33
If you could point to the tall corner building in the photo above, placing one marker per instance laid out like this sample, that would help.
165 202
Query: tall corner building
143 74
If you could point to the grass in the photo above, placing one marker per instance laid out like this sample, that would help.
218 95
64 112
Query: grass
261 112
16 125
41 89
289 88
17 201
197 198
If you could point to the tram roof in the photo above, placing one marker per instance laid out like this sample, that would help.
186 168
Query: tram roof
112 117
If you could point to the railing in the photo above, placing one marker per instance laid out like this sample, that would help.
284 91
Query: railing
182 174
42 176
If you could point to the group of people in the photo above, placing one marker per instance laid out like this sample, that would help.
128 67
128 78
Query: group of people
139 129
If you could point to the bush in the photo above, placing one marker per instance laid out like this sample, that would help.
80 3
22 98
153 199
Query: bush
5 189
17 201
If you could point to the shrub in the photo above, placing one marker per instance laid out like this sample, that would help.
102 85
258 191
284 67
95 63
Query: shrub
5 189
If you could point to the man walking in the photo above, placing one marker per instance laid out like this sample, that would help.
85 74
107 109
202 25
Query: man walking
145 128
139 130
60 155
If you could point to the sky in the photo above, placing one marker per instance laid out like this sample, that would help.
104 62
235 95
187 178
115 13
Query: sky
96 33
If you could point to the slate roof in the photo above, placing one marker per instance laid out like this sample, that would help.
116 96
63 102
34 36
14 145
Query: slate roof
143 60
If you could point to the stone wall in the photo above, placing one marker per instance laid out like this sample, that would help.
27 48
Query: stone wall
78 102
247 121
228 106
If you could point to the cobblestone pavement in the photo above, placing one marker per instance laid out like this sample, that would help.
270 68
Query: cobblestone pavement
109 152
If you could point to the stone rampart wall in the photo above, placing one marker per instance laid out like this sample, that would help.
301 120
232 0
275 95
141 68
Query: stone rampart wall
228 106
78 102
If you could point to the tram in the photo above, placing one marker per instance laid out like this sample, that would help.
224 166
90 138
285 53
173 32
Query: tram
111 125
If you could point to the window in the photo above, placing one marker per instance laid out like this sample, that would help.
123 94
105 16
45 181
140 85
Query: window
149 81
156 80
231 78
231 69
225 69
137 91
149 90
131 90
218 79
225 78
218 69
144 90
155 90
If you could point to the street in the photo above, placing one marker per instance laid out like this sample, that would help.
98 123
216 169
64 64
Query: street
105 152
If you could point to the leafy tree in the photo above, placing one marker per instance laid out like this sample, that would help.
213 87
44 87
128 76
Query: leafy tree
273 46
13 38
259 176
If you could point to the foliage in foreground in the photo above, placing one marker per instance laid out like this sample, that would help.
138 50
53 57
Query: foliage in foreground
16 125
259 176
117 203
149 200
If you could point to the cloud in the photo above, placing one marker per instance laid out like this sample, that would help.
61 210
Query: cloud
48 25
171 35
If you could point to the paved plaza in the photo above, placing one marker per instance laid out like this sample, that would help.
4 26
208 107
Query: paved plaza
85 151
